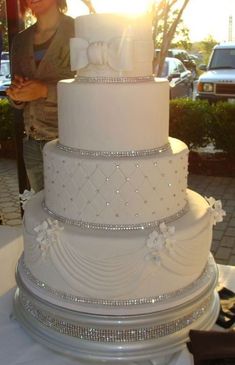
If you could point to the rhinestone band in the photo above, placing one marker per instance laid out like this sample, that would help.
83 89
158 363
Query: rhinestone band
111 335
114 80
113 154
115 227
205 278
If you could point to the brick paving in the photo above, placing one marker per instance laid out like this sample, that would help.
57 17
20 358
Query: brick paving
9 193
223 188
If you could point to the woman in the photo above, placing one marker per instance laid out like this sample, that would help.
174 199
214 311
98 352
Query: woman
40 58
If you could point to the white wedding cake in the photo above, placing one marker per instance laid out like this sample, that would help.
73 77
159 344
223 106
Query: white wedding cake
116 263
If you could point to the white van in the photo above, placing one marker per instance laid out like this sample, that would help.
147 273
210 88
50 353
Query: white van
218 82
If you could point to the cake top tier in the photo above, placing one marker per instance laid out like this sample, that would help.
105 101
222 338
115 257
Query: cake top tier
112 45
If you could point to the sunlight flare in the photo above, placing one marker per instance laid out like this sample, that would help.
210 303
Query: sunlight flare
129 7
122 6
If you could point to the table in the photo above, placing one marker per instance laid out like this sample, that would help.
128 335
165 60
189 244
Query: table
16 347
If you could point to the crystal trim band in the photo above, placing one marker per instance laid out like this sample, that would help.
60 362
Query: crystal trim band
209 274
111 335
114 80
115 227
113 154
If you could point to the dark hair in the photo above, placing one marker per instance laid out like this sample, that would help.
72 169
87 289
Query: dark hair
62 6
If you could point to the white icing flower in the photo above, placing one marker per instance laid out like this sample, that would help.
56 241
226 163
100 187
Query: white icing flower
47 234
158 241
215 207
25 197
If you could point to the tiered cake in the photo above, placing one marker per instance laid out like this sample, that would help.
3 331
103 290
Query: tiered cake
116 263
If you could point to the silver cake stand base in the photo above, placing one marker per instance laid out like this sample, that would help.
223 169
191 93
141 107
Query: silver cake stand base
153 338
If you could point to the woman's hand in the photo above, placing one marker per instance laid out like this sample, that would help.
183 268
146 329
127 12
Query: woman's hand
24 90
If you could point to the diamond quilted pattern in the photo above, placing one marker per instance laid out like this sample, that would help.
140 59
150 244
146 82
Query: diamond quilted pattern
117 191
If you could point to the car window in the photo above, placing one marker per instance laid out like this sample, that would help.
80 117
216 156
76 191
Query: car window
5 56
4 69
180 67
223 58
174 67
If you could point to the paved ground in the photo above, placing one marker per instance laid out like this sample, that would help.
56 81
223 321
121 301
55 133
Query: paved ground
223 188
9 193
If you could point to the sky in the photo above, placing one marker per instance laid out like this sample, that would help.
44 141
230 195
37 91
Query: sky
202 17
209 17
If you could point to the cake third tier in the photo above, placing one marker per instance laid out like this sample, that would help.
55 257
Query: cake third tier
116 192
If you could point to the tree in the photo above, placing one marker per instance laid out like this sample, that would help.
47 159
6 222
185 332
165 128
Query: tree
3 25
90 6
206 46
166 17
181 38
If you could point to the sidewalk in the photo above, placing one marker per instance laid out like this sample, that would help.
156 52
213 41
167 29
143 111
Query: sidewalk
223 188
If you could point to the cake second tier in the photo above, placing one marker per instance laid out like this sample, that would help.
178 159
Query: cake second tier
112 193
113 117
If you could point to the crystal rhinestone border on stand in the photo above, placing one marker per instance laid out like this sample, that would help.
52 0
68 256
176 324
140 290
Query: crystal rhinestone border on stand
59 324
98 337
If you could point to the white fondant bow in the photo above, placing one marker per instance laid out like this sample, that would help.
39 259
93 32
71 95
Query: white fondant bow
117 53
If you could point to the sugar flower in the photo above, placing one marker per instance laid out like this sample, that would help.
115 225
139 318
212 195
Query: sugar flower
215 207
160 241
48 233
25 197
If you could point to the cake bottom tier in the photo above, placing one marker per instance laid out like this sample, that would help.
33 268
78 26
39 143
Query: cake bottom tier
152 337
86 267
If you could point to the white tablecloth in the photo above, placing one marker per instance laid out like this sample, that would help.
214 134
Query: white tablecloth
16 347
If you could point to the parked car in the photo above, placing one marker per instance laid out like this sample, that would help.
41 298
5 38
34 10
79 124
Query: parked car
5 76
184 57
5 55
180 79
218 82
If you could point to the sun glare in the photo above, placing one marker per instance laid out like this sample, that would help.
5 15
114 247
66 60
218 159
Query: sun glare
130 7
122 6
